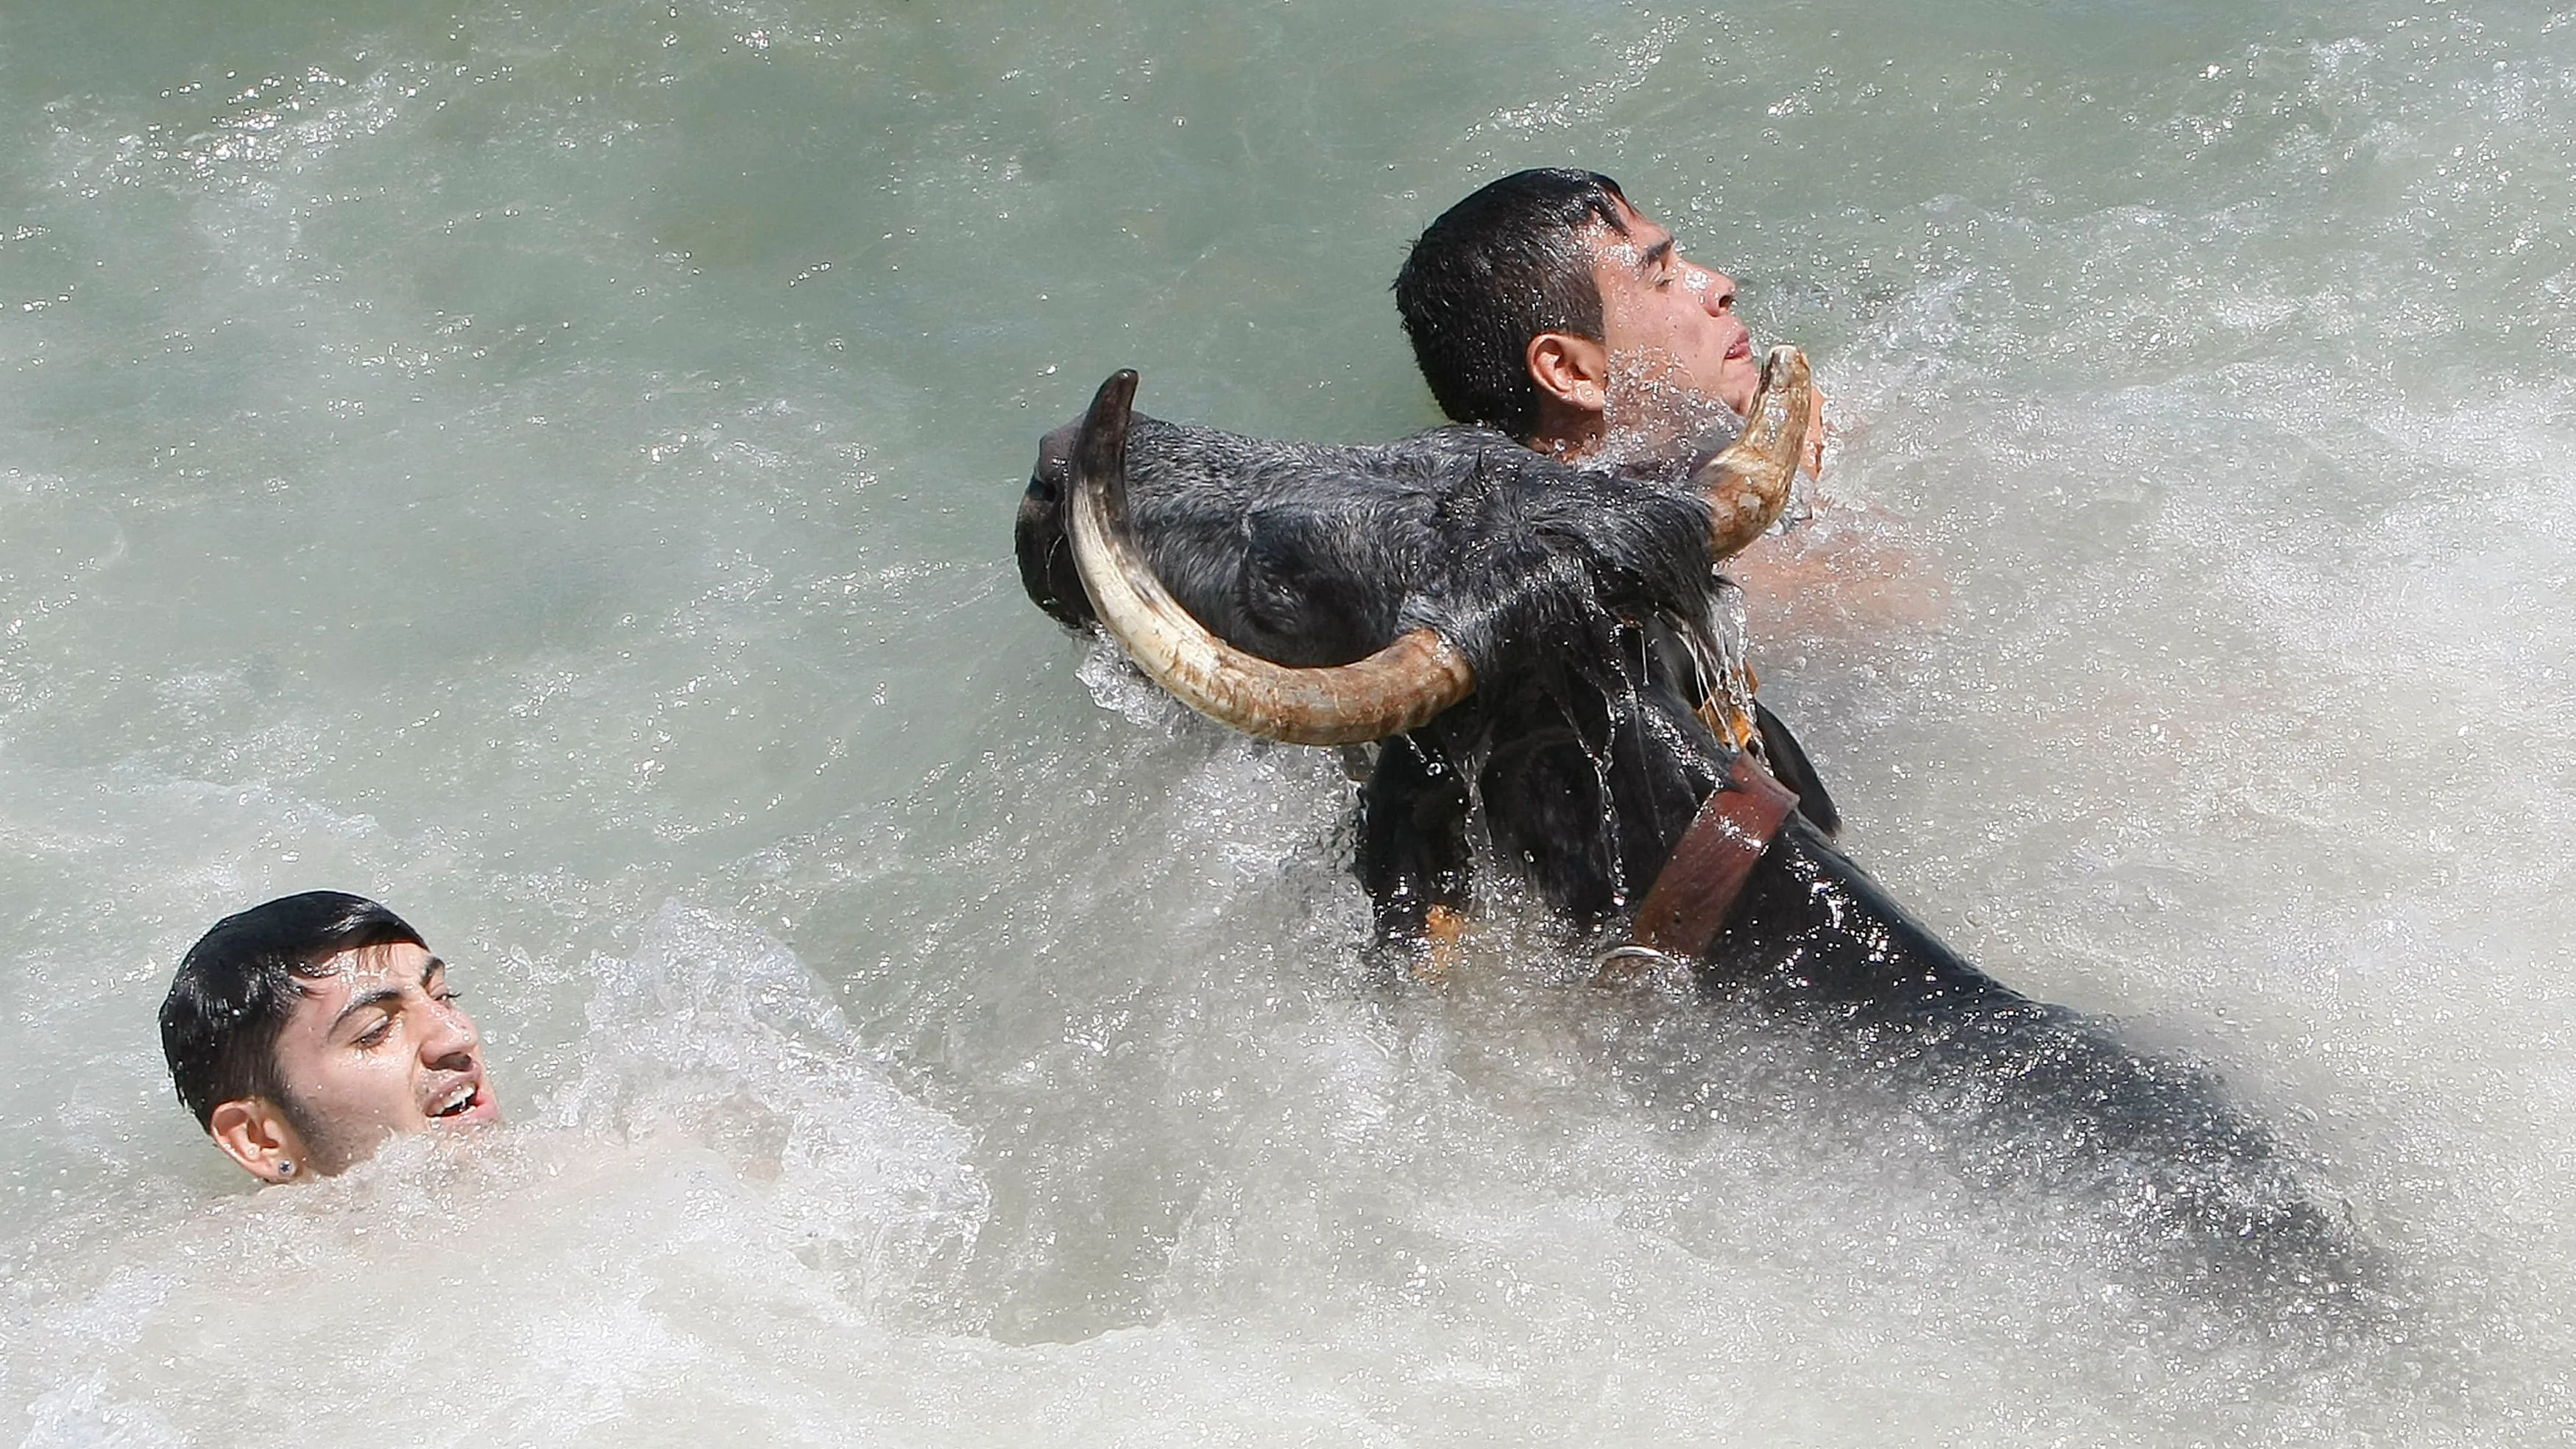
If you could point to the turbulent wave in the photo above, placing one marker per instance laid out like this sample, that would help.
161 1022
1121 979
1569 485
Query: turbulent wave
540 465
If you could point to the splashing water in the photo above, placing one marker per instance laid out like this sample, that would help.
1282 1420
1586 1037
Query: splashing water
551 469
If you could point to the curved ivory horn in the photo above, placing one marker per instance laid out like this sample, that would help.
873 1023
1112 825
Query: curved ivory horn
1400 687
1748 484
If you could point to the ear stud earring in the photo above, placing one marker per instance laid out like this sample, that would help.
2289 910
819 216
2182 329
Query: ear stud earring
285 1168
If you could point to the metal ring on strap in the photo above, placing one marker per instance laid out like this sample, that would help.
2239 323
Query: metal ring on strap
1628 965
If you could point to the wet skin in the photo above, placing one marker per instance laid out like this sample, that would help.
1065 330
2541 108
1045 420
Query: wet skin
1672 363
1668 322
376 1047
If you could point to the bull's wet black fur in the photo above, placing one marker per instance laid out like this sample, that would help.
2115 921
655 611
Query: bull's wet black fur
2045 1094
1568 590
1313 554
1576 595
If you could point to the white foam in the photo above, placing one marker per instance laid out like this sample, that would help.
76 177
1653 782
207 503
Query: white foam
468 485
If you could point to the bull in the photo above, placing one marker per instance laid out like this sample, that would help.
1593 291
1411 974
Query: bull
1542 647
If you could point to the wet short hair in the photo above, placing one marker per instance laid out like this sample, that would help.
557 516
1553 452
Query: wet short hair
1496 270
236 987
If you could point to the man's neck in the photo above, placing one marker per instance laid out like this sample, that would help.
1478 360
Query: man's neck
1567 434
1682 425
1600 447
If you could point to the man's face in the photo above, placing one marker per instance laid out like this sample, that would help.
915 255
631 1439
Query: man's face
1669 327
378 1046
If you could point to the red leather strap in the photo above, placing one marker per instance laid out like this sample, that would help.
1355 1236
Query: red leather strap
1706 871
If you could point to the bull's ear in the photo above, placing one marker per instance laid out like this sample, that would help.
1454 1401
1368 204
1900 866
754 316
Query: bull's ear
1047 572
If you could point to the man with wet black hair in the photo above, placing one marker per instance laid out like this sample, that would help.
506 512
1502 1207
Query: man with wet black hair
305 1031
1547 306
1494 271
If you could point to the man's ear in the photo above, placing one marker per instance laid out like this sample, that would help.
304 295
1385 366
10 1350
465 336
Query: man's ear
1572 371
255 1133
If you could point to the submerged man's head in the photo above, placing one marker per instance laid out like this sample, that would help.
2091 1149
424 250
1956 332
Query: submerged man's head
1549 307
305 1031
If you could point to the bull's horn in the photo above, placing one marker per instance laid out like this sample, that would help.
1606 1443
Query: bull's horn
1398 688
1748 484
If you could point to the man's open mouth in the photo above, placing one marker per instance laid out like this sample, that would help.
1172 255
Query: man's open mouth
1743 347
458 1102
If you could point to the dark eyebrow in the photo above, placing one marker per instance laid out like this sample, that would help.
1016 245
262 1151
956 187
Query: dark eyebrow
1656 255
382 994
364 1000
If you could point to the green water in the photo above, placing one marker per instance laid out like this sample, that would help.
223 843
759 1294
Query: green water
550 467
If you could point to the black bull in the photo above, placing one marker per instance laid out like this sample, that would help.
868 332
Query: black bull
1580 599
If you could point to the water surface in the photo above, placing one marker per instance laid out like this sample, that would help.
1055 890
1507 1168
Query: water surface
551 468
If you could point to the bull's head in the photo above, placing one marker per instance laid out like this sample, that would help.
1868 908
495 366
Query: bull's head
1412 680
